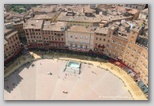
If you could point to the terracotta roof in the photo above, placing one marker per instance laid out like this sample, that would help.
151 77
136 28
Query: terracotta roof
101 30
33 24
58 26
145 11
9 33
44 16
43 9
80 29
62 17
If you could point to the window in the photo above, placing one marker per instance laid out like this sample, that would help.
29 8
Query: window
100 39
104 39
96 38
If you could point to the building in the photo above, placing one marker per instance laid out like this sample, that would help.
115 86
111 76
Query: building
101 40
136 6
33 33
42 10
80 38
45 34
54 35
12 45
79 20
18 25
126 42
47 17
144 14
137 51
89 12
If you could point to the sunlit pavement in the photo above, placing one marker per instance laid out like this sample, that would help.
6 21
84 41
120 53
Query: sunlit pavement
94 83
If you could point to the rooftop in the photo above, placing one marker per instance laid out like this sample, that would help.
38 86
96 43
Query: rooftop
58 26
33 24
9 33
7 30
63 17
102 30
87 9
43 9
145 11
80 29
44 16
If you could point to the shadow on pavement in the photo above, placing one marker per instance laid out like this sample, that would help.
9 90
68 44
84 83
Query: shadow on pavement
10 84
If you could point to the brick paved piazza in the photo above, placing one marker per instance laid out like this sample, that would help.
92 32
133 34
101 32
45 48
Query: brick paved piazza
33 83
